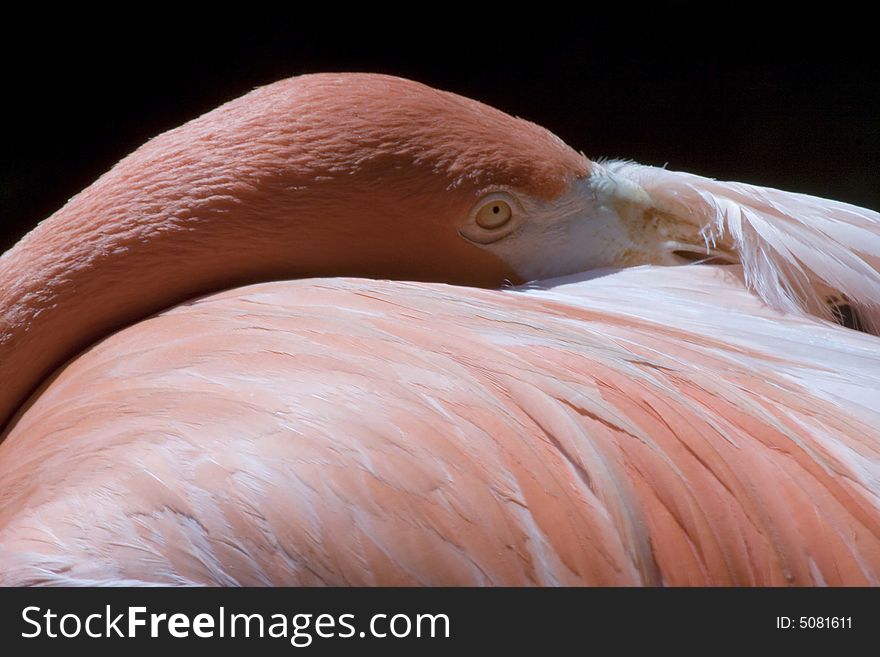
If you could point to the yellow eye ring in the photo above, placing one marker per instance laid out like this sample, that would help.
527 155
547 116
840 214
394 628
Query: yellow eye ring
494 214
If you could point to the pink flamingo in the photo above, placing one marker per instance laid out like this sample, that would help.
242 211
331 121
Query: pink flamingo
196 390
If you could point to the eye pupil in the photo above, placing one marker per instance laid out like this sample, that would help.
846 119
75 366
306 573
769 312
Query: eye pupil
494 214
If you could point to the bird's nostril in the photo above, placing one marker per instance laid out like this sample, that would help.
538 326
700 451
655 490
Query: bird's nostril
702 257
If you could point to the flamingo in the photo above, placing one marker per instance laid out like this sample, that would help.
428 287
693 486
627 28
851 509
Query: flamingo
349 329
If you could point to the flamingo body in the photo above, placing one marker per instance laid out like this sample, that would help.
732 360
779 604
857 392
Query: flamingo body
350 431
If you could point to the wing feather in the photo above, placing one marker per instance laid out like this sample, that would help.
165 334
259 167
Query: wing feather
656 425
799 253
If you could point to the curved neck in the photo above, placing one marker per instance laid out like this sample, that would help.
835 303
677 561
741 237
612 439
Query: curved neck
288 181
74 280
110 258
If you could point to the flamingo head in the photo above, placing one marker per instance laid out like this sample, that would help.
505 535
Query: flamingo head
318 175
365 175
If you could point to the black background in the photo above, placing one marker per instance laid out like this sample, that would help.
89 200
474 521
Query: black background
778 95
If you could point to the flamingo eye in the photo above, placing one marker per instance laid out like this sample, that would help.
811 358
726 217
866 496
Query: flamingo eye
494 214
492 218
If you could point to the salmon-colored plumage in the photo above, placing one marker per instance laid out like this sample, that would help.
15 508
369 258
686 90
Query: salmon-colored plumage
640 421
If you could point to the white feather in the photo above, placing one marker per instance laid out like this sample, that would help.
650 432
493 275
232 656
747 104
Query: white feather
797 250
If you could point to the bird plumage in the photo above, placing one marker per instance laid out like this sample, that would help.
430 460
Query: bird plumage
655 425
800 253
681 424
